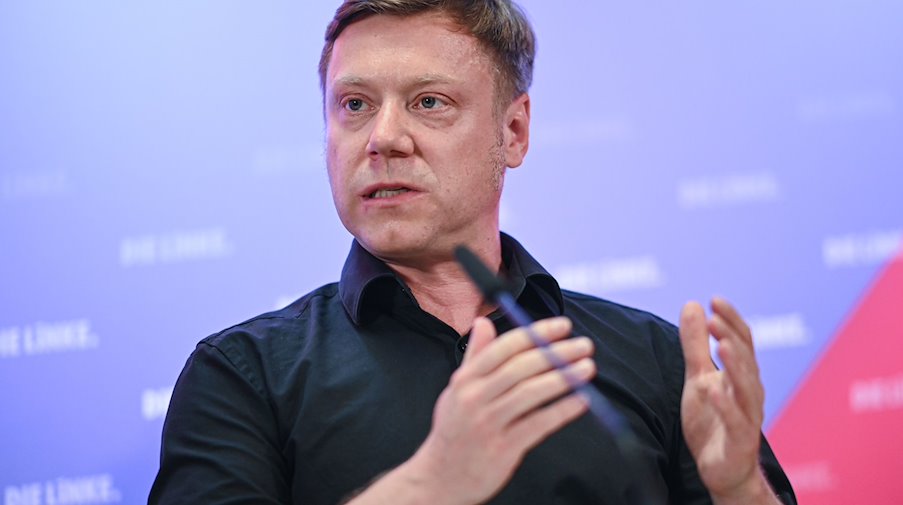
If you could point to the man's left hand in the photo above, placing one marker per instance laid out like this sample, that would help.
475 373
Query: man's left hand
722 410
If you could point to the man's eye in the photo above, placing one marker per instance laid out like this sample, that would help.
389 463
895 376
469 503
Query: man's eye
354 105
431 102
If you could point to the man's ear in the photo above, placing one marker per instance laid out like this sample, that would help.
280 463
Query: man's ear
516 131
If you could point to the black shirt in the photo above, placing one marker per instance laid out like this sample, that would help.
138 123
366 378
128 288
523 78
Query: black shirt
309 404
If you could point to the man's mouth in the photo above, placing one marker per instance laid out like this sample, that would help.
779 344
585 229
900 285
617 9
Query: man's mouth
388 193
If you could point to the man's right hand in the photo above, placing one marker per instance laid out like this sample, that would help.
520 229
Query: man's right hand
504 400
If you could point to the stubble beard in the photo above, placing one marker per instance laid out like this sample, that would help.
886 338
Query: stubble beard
497 162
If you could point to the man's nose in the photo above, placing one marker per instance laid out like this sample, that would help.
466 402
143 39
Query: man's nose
391 135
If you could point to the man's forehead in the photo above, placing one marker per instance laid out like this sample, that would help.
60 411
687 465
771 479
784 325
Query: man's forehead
423 79
387 38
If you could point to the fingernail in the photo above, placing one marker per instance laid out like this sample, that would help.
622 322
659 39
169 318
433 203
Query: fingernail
585 366
582 398
559 324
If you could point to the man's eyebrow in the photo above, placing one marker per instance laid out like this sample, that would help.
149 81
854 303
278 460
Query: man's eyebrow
351 80
434 79
354 80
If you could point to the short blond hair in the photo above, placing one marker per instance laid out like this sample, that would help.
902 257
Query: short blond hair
500 26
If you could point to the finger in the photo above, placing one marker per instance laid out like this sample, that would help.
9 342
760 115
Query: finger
535 361
694 339
724 332
516 341
482 334
530 430
537 391
740 430
723 308
738 356
742 380
739 366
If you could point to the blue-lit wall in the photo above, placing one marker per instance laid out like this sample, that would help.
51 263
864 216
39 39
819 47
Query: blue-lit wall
162 177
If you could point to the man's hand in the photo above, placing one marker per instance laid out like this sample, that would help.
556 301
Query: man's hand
504 400
722 411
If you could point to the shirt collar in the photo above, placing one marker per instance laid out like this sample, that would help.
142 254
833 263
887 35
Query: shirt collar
366 279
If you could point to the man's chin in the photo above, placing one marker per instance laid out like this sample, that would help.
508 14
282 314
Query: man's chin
395 247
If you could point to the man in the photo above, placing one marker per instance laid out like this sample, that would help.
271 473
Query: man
392 386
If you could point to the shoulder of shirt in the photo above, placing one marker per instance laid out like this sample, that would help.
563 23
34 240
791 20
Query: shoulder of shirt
261 325
634 315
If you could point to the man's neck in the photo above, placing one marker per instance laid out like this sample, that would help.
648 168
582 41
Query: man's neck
443 289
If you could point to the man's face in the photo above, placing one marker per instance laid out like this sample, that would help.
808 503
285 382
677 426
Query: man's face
416 151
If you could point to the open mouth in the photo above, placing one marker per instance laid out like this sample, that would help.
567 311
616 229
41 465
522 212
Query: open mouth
388 193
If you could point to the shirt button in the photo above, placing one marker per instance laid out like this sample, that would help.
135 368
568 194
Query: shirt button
462 345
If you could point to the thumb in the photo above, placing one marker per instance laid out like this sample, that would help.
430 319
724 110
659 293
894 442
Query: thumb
694 339
482 334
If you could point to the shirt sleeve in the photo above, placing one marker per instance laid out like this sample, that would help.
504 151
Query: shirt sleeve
220 438
778 480
686 488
